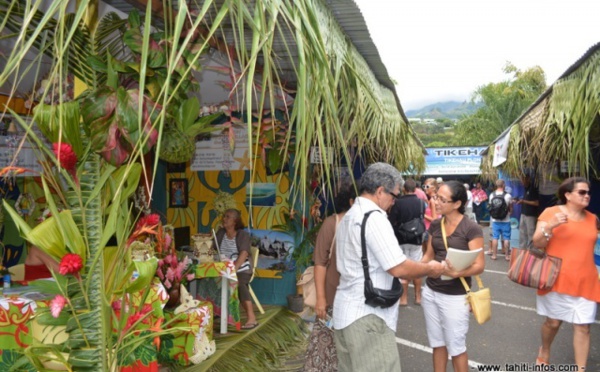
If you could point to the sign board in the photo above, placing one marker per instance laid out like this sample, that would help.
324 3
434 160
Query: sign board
501 150
215 153
453 160
316 155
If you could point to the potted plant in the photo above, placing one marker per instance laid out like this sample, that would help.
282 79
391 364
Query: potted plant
304 239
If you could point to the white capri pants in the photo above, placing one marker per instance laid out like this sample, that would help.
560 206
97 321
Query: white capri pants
446 320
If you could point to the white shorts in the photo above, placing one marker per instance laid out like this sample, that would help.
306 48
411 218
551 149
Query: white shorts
446 320
576 310
412 251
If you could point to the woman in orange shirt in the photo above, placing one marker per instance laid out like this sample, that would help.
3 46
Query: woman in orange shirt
569 231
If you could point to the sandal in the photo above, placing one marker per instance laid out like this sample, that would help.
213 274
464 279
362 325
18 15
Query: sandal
250 325
507 257
539 361
494 258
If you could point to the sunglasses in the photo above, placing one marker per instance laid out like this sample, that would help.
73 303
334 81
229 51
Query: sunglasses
396 196
583 192
426 187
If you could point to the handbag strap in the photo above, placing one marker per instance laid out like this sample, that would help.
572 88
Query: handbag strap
462 280
363 245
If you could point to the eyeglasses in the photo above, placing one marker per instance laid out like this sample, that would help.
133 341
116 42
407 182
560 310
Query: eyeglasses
396 196
583 192
442 200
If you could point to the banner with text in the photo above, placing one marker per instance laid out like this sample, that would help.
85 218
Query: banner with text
215 154
453 160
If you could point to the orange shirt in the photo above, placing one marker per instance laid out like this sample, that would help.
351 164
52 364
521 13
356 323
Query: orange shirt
574 242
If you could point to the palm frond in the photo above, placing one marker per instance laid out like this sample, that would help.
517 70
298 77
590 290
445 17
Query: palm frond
260 349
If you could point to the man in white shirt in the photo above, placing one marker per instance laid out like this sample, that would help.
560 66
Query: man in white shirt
469 206
365 335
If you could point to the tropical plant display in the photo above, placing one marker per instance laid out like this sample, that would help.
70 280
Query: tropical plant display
119 92
99 135
174 271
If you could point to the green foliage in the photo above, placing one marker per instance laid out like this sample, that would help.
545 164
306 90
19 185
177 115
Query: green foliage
437 144
438 134
304 240
503 103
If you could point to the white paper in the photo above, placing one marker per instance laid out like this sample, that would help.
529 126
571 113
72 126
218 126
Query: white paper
460 259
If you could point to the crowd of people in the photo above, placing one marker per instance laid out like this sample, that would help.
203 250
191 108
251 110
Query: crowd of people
359 255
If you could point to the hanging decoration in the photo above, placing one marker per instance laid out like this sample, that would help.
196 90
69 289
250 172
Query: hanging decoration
25 205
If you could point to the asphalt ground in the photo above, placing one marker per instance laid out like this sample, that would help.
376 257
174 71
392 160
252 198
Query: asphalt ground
510 340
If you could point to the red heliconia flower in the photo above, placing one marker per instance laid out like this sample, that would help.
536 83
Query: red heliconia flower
71 263
150 220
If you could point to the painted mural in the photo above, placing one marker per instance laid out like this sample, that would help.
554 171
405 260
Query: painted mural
211 192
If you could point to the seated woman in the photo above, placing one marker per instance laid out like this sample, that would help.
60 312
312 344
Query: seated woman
234 243
38 264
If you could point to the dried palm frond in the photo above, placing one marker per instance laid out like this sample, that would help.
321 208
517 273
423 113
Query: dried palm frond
513 166
573 111
488 172
280 333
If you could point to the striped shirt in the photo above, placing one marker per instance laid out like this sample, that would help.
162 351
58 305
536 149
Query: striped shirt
229 249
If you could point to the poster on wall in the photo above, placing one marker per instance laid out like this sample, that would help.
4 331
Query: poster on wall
273 244
453 160
214 153
261 194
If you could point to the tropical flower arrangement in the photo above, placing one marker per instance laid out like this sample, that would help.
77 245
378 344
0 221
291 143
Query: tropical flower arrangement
173 272
70 265
149 235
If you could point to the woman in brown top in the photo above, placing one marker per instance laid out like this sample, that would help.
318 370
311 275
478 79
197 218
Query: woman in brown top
321 355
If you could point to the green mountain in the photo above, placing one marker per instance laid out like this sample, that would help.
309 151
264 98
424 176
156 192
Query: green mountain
444 110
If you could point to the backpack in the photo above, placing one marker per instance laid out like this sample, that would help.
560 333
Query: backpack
411 231
498 206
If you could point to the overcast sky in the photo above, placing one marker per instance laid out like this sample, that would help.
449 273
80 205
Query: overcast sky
438 50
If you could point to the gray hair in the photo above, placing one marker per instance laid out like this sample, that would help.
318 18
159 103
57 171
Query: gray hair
380 174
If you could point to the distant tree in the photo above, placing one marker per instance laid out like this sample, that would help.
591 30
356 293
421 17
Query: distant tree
502 103
445 122
437 144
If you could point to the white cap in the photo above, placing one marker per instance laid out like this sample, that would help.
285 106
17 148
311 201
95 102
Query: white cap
439 180
466 186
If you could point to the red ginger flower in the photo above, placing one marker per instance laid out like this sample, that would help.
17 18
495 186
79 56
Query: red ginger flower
66 158
71 263
65 155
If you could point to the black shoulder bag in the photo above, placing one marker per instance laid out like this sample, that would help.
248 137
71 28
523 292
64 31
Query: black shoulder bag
412 231
376 297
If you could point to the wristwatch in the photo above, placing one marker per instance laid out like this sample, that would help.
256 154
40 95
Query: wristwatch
547 235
